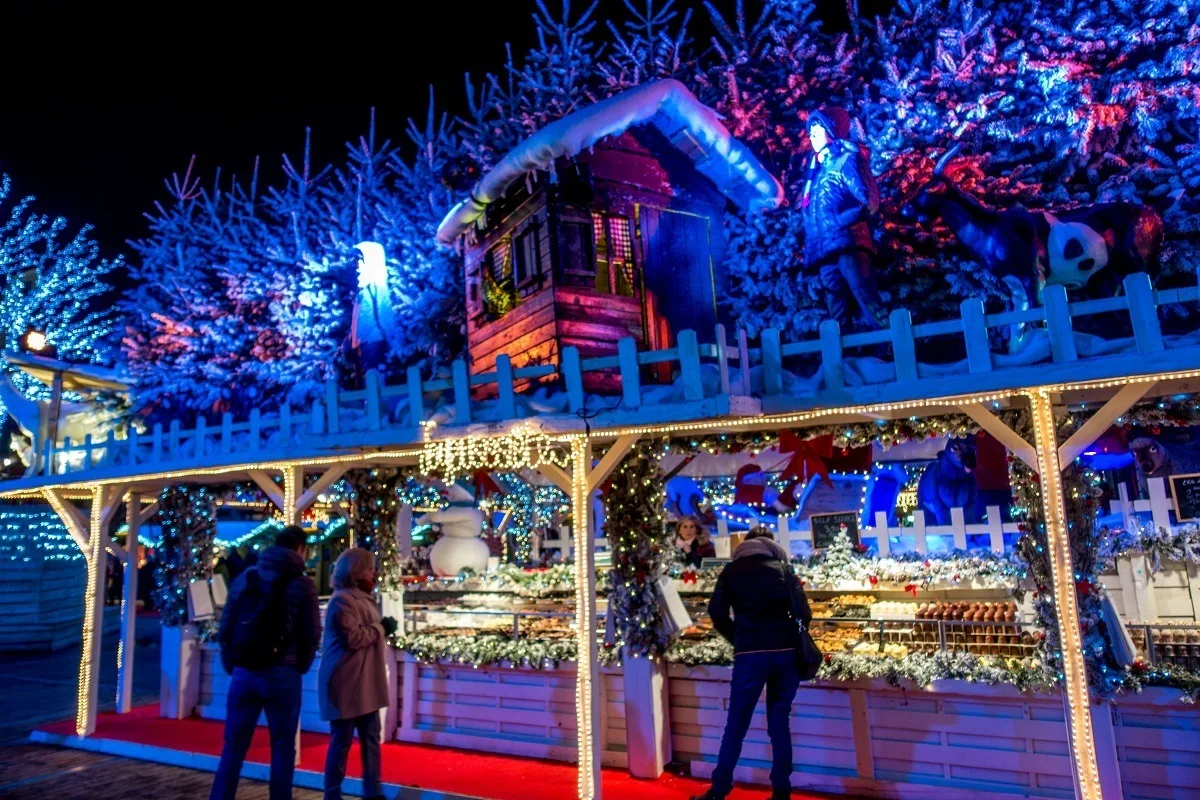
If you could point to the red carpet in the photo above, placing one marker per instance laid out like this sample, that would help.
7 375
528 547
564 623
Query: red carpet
461 772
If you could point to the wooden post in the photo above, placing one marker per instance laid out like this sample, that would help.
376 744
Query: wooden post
110 447
1058 324
462 392
93 619
995 524
631 379
332 406
882 543
504 383
285 424
416 397
133 442
1088 785
125 648
772 361
744 362
831 354
689 366
1143 313
374 420
156 443
975 334
226 433
572 372
722 359
255 430
87 451
647 716
904 347
1160 504
919 532
66 452
200 435
173 441
958 522
587 698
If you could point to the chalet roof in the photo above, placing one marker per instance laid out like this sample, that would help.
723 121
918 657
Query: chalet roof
668 105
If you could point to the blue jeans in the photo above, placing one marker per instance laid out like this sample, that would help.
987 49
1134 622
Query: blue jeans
276 691
751 672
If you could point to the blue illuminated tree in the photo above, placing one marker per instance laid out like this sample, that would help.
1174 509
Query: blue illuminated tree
50 282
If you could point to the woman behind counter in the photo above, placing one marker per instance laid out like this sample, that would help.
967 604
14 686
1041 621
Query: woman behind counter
352 682
693 541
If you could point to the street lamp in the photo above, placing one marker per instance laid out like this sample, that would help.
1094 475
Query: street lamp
35 341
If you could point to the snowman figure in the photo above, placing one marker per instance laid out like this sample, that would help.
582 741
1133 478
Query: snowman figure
460 546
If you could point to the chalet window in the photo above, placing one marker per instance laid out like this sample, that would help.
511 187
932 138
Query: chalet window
576 263
527 257
499 293
614 255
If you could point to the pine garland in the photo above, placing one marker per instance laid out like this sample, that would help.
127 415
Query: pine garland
375 509
633 519
188 515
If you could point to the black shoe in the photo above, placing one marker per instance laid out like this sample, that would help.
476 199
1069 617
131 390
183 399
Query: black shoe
711 794
781 794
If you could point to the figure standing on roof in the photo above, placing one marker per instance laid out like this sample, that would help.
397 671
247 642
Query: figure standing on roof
840 199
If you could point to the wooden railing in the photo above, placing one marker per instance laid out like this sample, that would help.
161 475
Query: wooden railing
378 414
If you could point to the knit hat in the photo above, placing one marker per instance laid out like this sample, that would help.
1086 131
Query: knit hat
834 119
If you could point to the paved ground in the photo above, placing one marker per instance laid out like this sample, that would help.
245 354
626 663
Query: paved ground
41 688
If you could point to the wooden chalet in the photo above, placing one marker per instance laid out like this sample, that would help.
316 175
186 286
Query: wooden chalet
622 239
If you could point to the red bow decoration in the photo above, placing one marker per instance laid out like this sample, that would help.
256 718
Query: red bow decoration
911 588
749 485
689 577
874 580
485 484
808 459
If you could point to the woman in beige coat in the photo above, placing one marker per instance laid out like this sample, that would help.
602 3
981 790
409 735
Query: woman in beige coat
352 683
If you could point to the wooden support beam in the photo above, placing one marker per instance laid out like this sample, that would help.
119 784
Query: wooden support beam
556 475
128 641
293 488
76 524
620 448
146 514
269 487
327 479
1002 433
93 616
1099 422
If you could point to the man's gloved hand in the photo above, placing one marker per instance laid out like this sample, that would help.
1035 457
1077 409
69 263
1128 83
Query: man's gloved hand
390 626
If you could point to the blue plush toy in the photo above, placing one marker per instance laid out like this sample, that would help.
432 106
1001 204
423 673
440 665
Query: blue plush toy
949 483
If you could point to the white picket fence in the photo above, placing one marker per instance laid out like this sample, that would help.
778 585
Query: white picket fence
704 387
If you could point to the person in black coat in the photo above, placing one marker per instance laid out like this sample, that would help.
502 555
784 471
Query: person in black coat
766 599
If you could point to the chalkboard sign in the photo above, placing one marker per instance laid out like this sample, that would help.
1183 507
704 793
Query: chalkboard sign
825 527
709 563
1186 491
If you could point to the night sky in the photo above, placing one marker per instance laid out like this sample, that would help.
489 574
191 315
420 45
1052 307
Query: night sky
95 119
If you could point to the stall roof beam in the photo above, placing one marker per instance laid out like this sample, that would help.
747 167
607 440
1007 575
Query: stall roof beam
1002 433
1102 420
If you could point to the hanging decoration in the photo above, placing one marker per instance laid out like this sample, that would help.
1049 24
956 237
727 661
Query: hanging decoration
189 524
530 508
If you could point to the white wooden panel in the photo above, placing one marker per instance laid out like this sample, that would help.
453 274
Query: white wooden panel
1158 746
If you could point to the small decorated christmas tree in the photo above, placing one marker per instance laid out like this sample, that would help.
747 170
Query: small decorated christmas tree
189 525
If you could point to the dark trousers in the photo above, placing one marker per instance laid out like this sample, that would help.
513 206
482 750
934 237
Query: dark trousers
751 672
849 282
277 692
341 735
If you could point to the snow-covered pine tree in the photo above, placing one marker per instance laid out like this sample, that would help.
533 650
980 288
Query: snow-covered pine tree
50 281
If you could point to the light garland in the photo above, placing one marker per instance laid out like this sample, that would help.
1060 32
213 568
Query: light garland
30 535
529 507
522 447
586 698
87 695
1083 745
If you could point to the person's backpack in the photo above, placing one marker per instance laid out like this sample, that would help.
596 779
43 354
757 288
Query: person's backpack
260 635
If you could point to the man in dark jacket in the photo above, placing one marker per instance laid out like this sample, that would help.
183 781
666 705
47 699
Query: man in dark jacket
766 599
840 198
273 683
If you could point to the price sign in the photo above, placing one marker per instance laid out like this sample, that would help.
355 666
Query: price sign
1186 491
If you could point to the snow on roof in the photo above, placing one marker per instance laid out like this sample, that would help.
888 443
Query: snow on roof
670 107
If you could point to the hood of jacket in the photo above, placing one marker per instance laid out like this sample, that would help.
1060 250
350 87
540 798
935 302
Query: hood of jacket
276 562
768 548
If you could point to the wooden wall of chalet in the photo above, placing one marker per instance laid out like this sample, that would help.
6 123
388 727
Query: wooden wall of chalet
640 177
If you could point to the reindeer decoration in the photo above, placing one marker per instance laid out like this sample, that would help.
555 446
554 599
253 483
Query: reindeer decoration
1091 248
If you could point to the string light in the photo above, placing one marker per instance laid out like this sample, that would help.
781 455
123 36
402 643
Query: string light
87 694
586 698
522 447
1083 745
33 535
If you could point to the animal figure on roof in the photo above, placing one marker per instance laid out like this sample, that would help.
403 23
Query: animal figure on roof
1090 248
949 483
